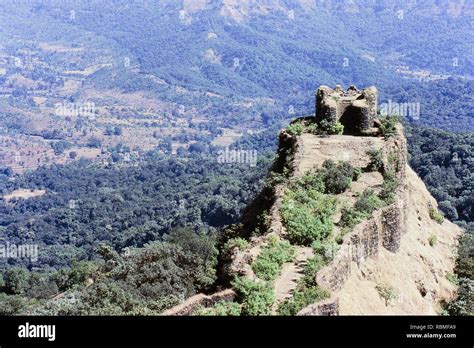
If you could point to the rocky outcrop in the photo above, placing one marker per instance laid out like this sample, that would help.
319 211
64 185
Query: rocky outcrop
416 274
390 247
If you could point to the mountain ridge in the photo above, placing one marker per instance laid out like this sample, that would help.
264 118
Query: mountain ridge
396 253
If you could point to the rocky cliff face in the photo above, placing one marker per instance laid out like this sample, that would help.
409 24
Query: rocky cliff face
417 271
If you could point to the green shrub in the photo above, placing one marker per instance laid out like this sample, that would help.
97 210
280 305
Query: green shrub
339 238
268 264
301 299
326 250
233 243
368 202
307 215
363 208
257 297
350 217
313 265
266 269
453 278
337 128
221 308
390 183
436 215
296 128
323 253
301 126
388 126
387 292
337 177
328 127
357 172
393 161
432 240
275 179
376 160
312 128
309 181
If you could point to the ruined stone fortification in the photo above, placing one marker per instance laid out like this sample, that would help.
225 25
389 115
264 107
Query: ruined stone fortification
391 245
355 109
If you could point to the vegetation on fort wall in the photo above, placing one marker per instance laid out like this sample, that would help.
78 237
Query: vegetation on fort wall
362 209
299 127
295 129
432 240
331 128
302 298
388 126
233 243
268 264
307 291
308 207
376 160
386 292
390 183
257 297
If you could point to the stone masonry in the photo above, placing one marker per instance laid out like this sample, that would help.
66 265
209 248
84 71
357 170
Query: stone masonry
355 109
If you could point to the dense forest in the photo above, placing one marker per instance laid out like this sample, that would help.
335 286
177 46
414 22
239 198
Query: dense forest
126 207
445 162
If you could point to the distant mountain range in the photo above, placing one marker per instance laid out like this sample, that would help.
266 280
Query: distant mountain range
277 50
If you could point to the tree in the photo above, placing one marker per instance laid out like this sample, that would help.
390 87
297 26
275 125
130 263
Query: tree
15 281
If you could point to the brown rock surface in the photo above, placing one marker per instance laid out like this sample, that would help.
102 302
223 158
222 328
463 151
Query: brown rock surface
417 272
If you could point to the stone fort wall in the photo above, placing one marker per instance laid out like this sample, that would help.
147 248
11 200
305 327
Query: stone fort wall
355 109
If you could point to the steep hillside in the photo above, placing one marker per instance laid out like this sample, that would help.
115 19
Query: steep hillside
417 273
348 227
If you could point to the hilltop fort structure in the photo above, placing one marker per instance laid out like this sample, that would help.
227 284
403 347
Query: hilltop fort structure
355 109
359 260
